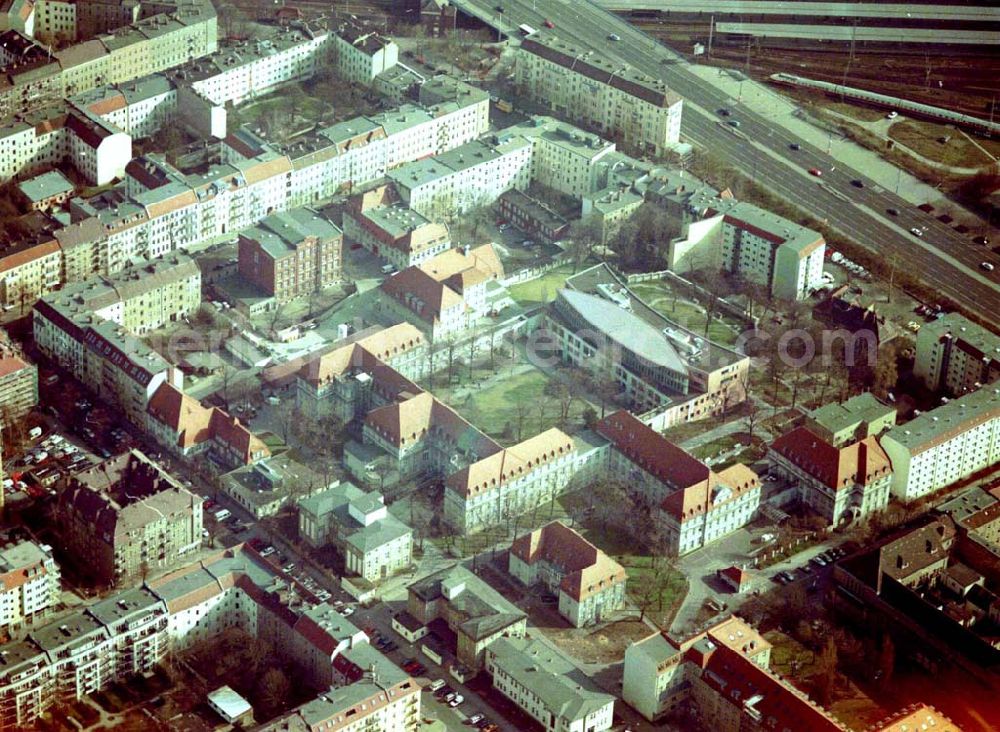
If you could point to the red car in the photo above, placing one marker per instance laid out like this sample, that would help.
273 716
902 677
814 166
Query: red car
549 24
816 171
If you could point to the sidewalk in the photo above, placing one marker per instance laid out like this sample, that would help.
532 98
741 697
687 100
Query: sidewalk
769 103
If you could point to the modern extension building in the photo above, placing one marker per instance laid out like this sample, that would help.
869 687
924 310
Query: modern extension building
944 445
590 585
956 356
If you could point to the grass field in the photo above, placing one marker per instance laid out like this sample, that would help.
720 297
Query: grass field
673 589
518 399
924 139
542 289
659 297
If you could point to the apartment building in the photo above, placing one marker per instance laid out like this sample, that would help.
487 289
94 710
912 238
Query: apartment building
359 54
532 216
128 633
693 504
589 584
291 254
564 157
126 47
29 268
119 368
547 687
841 483
477 614
466 107
374 543
859 417
393 231
244 69
597 92
128 518
466 177
185 427
447 293
18 385
955 355
944 445
30 581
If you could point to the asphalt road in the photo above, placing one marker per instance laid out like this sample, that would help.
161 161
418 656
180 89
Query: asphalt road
943 259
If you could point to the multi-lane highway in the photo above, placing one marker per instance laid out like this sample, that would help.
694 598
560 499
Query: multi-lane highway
941 258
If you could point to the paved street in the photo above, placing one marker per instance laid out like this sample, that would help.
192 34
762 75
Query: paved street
942 258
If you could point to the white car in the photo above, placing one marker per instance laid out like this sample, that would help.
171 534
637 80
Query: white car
892 115
346 611
916 232
987 266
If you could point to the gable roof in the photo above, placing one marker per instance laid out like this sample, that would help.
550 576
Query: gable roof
586 569
838 468
505 465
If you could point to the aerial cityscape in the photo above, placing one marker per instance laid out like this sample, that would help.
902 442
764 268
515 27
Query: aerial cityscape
500 365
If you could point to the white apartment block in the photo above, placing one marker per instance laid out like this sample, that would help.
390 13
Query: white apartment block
122 50
598 93
130 632
243 70
469 176
564 157
30 583
360 55
944 445
547 687
752 243
956 356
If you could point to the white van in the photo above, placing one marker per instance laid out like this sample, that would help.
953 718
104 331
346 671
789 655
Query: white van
435 685
34 433
388 268
222 514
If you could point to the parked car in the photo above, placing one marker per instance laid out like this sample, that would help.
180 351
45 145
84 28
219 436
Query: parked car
916 232
816 171
795 146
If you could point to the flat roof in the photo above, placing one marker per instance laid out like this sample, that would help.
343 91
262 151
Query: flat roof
44 186
949 420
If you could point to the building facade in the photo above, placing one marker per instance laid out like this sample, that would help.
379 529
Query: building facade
31 584
944 445
18 386
598 92
375 544
547 687
840 483
956 356
589 584
128 518
292 254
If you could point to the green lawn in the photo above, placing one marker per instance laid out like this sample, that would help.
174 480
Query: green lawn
674 587
505 403
660 298
541 289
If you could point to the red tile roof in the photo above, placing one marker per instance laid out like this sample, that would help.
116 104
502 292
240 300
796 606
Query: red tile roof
860 462
586 569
